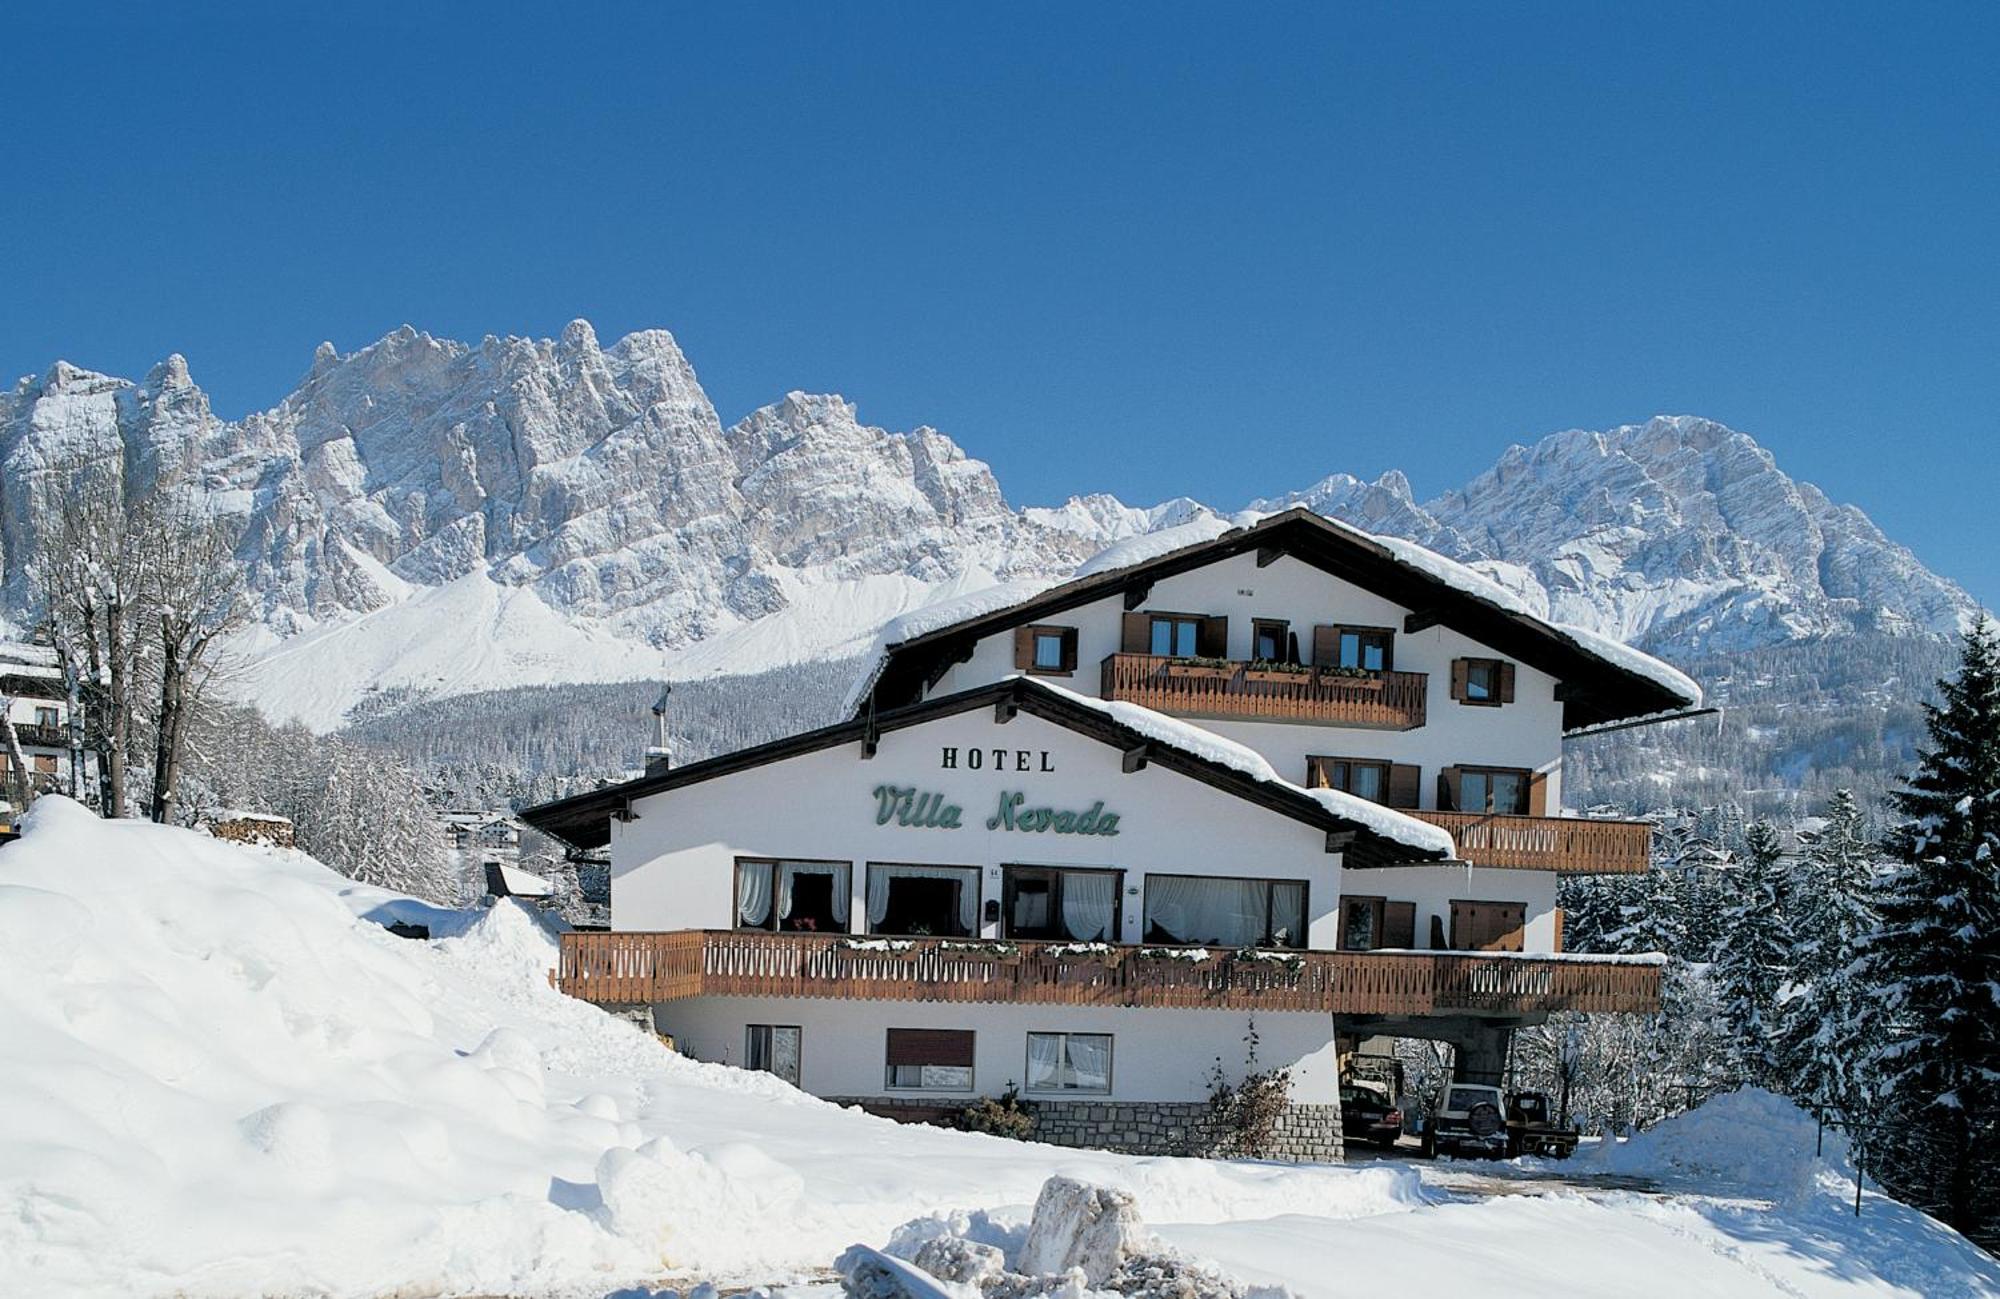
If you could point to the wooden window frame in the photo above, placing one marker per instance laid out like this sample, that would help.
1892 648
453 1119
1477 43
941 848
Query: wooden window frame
748 1029
1305 899
1317 764
1527 775
1502 676
889 1066
1381 907
771 927
1027 640
1154 618
1361 632
1009 876
1278 627
1110 1072
1452 934
48 719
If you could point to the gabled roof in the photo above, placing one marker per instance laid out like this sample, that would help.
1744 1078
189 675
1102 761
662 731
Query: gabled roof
1369 835
1601 680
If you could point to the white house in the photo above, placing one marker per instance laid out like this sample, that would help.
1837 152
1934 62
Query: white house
1080 842
37 705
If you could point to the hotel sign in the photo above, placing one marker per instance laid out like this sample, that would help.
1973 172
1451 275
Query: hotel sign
906 805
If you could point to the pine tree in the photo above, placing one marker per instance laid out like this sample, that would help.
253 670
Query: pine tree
1937 958
1826 1021
1754 951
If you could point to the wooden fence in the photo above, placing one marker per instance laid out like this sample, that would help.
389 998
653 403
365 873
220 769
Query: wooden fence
1387 700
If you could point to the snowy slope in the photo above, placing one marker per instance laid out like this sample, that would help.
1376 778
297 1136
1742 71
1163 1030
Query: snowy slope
221 1077
585 509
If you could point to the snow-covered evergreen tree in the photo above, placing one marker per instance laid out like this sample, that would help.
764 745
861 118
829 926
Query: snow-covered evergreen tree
1826 1019
1936 961
1754 950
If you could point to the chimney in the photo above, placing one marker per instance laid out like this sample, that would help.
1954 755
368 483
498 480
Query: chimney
660 754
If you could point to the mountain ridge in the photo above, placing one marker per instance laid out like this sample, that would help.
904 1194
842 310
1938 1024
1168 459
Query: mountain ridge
584 513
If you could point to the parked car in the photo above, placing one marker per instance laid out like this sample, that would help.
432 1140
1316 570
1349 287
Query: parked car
1534 1129
1470 1119
1368 1114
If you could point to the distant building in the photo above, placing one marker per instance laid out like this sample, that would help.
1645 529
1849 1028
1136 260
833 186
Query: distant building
31 677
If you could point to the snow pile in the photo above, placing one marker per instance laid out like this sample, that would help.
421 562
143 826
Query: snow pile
1206 744
1747 1142
222 1076
1132 551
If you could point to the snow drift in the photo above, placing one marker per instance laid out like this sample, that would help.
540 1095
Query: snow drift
223 1077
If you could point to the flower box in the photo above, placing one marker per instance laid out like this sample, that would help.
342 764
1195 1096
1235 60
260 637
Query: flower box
1278 676
1205 669
1336 678
996 953
1082 953
1269 960
893 949
1168 955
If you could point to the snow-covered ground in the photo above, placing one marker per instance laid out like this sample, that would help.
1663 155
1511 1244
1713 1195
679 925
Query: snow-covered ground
220 1076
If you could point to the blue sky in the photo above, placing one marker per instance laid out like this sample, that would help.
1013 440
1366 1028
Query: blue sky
1147 250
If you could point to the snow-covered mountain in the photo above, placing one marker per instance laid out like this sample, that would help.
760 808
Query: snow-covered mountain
435 517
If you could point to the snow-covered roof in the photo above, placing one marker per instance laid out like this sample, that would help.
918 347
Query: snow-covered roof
1207 745
1186 542
23 660
520 883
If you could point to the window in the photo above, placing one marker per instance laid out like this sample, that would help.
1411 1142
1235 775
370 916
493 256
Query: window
1493 789
1360 924
1368 923
1177 635
1486 682
1366 648
45 764
1217 911
1069 1062
1487 926
1362 778
934 1058
1269 639
1078 905
923 901
794 897
773 1048
47 719
1045 650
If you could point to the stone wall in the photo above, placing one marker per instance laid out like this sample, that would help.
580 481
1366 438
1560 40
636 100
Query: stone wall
1306 1134
251 828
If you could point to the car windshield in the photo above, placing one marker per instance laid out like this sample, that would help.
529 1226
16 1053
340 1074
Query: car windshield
1464 1098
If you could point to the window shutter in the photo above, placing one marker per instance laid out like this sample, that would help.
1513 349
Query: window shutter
1069 649
1137 637
1326 646
1506 682
1405 782
1559 930
1212 641
1448 789
1458 674
1024 648
1538 793
939 1046
1399 924
1505 935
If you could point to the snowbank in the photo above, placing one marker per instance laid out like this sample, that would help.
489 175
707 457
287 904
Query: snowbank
1748 1142
222 1076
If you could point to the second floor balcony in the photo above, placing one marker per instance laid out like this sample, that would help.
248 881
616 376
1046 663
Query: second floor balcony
1572 845
1227 688
633 967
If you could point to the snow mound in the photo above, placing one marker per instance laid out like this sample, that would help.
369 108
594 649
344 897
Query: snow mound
1748 1142
220 1075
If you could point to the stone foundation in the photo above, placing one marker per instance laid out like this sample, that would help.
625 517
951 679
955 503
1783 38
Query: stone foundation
1306 1134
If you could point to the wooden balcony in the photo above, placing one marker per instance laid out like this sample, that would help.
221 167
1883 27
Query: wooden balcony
1385 701
1569 844
41 737
627 968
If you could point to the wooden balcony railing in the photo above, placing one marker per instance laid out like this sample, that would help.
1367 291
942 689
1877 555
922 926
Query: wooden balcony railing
1387 700
628 968
43 737
1570 844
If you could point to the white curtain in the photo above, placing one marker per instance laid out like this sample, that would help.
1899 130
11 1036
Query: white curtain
879 878
1088 899
790 870
1288 914
1044 1061
1090 1062
753 892
1206 909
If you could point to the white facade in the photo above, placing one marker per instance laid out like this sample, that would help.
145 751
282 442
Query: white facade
1526 733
